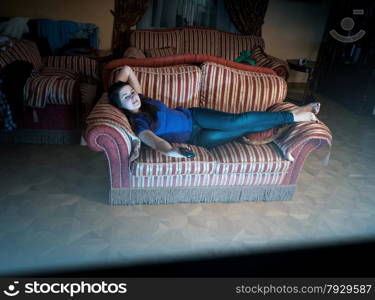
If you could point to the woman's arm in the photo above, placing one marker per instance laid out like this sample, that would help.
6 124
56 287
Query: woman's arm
157 143
127 75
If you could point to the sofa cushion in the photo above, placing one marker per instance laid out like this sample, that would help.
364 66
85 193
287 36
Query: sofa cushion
151 162
174 85
86 67
201 41
224 86
233 44
22 50
41 90
159 52
241 158
149 39
261 58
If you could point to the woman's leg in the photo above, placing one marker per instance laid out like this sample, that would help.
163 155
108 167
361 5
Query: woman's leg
212 138
245 122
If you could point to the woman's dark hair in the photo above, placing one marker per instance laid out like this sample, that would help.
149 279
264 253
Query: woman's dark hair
114 98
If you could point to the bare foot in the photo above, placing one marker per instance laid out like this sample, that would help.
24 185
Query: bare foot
313 107
304 117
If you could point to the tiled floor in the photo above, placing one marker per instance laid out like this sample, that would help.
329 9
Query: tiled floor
53 211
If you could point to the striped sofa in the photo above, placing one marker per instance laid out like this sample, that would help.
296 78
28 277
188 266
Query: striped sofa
204 40
55 95
232 172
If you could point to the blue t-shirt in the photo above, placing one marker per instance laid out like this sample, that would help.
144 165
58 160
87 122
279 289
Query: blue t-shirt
172 125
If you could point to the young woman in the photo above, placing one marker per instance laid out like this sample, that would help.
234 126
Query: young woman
157 126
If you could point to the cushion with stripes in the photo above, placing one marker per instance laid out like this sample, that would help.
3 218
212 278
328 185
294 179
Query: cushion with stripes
201 41
86 67
63 73
41 90
233 44
231 90
151 39
241 158
174 85
21 50
261 59
158 52
151 162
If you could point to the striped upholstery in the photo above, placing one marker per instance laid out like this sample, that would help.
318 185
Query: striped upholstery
211 180
223 86
86 67
64 73
232 44
174 85
240 158
261 59
21 50
152 163
299 133
158 52
107 115
201 41
41 90
149 39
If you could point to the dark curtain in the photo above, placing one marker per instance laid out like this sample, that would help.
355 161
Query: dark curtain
247 15
127 13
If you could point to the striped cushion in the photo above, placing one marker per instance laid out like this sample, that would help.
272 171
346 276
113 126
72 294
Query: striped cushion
64 73
108 115
22 50
261 59
231 90
211 180
41 90
150 39
201 41
232 44
240 158
151 162
174 85
158 52
86 67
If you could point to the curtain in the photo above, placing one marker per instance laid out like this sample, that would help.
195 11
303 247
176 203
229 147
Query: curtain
176 13
247 15
127 13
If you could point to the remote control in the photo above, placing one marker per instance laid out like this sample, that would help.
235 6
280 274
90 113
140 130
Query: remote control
186 152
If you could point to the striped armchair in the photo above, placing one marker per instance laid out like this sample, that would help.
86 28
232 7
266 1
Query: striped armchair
55 94
232 172
204 40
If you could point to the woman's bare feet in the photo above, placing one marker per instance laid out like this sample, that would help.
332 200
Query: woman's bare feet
313 107
306 113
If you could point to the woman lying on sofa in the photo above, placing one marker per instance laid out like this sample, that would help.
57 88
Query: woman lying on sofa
157 126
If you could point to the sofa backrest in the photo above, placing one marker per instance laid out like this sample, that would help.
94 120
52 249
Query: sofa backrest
231 90
21 50
201 41
195 40
174 85
152 39
231 44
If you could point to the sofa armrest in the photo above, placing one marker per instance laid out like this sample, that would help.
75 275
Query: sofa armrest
109 130
279 66
300 134
88 68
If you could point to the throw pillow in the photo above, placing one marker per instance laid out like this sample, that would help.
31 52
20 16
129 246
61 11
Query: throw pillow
158 52
133 52
264 137
261 58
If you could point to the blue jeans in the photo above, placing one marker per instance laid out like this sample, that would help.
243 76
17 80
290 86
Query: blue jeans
212 128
